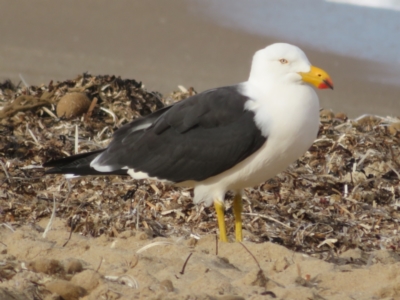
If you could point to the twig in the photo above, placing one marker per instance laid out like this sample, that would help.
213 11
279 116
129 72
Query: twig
5 171
255 259
137 214
53 214
23 80
32 135
91 108
101 261
30 167
126 279
73 225
76 139
70 235
110 113
8 226
49 112
216 244
153 245
260 276
268 218
184 265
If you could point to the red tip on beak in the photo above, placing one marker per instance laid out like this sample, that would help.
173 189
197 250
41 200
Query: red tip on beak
326 84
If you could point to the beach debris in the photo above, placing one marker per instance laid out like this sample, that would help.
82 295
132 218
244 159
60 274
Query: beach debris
73 105
25 102
344 193
184 265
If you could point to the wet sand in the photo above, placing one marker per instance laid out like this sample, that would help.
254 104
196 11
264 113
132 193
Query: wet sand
163 44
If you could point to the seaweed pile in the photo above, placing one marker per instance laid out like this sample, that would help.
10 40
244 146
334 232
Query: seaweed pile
342 194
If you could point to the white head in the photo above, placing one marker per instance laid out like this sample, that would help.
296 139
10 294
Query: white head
287 64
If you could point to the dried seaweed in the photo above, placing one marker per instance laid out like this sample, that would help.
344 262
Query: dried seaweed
342 194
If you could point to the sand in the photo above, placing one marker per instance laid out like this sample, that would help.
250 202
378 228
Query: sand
123 268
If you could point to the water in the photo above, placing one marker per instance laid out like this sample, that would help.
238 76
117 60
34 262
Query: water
386 4
366 29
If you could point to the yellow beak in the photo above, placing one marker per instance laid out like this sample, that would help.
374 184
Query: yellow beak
317 77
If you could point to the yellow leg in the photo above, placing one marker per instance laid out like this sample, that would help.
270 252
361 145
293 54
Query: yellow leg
237 210
220 209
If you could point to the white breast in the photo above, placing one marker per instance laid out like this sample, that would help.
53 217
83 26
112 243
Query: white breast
290 124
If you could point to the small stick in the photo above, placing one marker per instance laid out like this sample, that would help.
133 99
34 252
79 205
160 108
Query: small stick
5 171
184 265
70 235
53 214
268 218
73 225
33 136
138 214
8 226
101 261
23 81
91 108
216 245
260 272
110 113
76 139
255 259
49 112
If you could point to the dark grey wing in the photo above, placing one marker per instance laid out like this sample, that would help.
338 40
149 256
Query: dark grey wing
200 137
79 164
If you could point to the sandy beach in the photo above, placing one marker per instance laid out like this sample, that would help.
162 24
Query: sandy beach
132 266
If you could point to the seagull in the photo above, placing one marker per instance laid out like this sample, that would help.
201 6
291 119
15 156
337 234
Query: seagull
223 139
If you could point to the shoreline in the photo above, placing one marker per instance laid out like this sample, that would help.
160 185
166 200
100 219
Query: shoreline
154 44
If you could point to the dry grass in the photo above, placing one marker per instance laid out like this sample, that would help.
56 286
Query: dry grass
344 193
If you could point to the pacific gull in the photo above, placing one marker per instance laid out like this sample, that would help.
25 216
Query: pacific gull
227 138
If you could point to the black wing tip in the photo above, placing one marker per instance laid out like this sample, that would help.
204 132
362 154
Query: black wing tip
50 163
53 171
67 160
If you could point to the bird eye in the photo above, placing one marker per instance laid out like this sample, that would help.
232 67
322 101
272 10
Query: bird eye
283 61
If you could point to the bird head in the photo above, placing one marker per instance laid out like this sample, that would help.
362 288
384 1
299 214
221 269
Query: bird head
287 63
